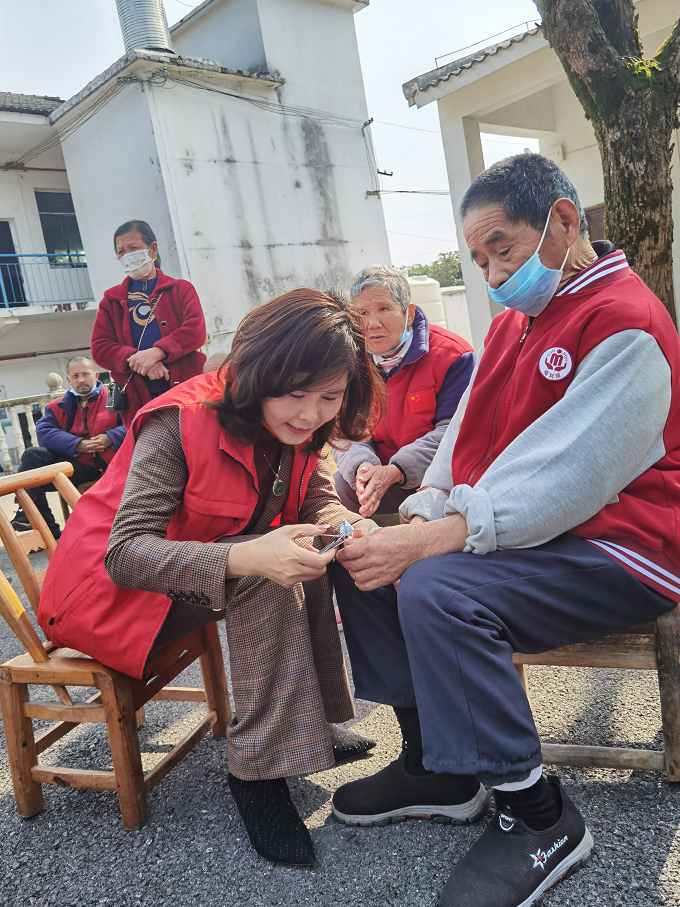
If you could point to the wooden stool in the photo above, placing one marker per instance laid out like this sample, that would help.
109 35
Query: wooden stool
652 646
120 700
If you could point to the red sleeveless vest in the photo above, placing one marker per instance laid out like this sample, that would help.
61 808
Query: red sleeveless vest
525 370
412 394
79 606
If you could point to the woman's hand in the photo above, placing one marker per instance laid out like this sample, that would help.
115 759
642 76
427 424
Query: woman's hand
158 371
144 360
277 557
372 482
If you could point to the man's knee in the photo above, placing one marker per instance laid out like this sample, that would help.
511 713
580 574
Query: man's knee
433 585
34 458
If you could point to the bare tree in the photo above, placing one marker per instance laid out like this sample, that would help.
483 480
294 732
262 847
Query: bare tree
632 102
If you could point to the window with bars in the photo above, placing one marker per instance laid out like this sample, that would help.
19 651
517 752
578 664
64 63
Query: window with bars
60 229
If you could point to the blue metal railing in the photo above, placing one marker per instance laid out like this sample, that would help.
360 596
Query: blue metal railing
43 279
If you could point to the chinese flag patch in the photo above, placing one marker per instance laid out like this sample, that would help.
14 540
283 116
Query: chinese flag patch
419 401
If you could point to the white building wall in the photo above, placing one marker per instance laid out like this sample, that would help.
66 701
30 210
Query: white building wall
229 33
262 203
246 203
115 176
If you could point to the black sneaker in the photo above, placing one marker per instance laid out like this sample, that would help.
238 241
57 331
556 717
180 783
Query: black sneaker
20 522
393 795
512 865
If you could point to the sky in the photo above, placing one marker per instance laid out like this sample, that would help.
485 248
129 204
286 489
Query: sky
51 48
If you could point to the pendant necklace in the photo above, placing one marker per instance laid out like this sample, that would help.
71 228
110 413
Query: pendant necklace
278 487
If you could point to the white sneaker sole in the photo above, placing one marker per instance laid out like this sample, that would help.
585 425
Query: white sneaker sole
569 865
460 814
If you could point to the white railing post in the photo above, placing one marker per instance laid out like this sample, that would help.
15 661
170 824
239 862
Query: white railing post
56 391
16 429
28 409
4 452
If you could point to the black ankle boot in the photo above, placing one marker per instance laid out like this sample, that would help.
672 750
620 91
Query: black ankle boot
412 741
274 827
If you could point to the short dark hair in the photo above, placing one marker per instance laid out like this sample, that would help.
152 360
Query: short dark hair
80 359
292 343
144 230
526 186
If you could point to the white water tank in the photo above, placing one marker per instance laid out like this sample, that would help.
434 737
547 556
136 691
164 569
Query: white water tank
425 292
456 311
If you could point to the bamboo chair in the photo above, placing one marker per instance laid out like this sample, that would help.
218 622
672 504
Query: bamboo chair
120 700
653 646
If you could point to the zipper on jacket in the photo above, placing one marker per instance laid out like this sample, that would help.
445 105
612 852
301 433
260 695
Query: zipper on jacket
497 412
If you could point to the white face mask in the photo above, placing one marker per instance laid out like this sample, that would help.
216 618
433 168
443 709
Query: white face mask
137 264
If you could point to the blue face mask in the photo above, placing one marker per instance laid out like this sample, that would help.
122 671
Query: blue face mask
532 286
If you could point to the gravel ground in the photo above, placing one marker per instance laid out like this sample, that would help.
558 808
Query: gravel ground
194 849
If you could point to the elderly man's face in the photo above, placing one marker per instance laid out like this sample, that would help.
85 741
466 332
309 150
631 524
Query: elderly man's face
383 318
500 247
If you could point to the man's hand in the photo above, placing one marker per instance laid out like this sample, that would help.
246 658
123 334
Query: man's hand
382 557
101 442
372 482
85 446
143 360
277 557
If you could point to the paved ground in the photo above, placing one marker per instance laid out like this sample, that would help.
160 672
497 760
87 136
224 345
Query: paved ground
194 849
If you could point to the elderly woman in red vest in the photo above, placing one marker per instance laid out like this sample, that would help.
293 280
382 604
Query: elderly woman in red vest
149 329
426 369
179 533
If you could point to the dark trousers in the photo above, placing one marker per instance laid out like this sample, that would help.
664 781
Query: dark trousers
445 643
35 457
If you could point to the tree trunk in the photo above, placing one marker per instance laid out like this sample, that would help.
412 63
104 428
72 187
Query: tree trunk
632 103
635 147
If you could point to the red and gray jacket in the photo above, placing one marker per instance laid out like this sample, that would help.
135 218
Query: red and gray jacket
572 424
65 423
423 394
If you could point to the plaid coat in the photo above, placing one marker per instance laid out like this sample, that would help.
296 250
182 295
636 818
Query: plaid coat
287 669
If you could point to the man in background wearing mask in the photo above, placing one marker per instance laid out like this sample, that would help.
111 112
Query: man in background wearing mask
546 518
76 429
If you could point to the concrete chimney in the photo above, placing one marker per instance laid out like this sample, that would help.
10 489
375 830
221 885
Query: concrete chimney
144 25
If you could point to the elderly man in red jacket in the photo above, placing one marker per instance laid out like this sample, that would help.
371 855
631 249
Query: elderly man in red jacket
76 429
549 516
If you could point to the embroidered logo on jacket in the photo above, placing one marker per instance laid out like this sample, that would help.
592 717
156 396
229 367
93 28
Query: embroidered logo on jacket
541 857
555 364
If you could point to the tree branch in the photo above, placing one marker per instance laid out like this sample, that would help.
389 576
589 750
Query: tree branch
619 21
575 32
668 55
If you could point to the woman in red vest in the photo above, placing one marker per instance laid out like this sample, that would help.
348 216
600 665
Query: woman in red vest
178 534
426 369
149 330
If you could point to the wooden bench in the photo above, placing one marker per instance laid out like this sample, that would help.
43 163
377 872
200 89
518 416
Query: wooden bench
652 646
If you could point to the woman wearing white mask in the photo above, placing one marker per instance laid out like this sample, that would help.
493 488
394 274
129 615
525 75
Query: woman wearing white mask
149 329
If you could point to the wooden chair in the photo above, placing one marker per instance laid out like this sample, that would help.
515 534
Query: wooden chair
652 646
82 488
120 700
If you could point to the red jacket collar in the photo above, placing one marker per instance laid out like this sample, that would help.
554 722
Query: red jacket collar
120 293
